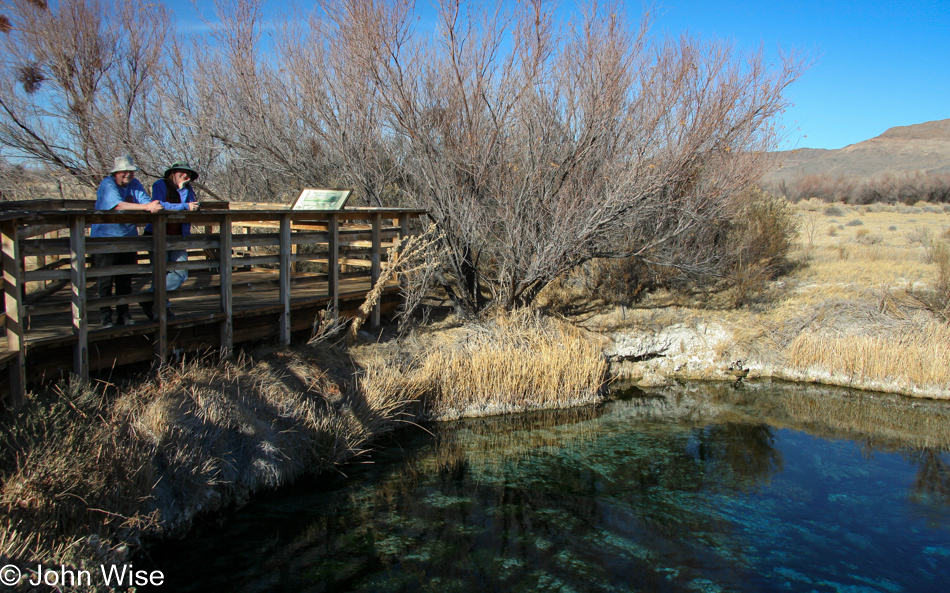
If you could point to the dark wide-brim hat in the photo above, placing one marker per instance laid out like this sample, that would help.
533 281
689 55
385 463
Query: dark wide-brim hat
181 166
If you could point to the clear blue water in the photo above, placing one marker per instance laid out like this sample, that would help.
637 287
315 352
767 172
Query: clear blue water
760 488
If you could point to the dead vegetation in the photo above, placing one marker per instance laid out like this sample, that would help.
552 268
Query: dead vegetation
98 469
849 311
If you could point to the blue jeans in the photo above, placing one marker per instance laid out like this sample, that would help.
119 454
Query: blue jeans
175 278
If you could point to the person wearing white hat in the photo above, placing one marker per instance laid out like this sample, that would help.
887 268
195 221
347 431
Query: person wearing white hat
120 191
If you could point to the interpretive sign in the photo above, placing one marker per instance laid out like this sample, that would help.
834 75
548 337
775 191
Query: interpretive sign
322 199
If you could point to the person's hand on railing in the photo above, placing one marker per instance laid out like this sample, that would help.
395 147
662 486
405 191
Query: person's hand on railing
154 207
192 206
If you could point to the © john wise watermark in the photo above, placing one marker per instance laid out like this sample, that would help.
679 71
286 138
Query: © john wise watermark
111 575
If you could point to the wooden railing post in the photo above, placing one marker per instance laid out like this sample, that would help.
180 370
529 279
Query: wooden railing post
334 263
224 271
284 267
159 261
13 301
77 277
403 234
375 267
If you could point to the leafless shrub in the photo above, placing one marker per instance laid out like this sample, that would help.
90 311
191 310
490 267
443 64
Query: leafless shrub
907 188
758 244
809 227
820 186
622 281
538 148
752 249
940 255
326 326
419 283
83 82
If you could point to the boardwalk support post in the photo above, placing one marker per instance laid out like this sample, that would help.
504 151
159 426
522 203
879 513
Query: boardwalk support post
284 280
77 277
13 301
159 260
375 267
334 263
227 324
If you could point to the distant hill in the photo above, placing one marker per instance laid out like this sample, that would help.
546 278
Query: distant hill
923 148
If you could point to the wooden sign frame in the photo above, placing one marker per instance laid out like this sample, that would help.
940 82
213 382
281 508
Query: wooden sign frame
321 199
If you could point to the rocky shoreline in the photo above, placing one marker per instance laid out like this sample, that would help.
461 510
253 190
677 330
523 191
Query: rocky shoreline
654 358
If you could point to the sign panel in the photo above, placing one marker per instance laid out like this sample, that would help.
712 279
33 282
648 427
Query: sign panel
322 199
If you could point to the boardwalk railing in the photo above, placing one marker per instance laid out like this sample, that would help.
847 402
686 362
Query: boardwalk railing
253 273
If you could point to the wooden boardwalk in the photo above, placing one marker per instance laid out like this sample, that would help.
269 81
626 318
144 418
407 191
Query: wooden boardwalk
254 273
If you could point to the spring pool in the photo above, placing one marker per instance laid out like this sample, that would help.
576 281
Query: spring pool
756 487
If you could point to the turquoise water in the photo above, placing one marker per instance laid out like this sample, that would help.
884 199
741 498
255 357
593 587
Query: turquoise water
756 488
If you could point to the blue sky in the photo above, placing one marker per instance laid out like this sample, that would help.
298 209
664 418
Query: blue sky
877 63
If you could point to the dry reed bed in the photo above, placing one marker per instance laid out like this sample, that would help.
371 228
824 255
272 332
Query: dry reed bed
878 262
515 362
918 358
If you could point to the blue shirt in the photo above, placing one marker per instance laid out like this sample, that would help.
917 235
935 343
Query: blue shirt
160 193
108 197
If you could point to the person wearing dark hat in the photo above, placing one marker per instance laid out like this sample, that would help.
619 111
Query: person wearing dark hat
174 192
120 191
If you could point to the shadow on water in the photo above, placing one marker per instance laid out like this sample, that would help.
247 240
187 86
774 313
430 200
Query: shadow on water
763 487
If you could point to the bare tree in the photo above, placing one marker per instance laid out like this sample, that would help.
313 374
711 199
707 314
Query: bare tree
298 114
538 148
74 85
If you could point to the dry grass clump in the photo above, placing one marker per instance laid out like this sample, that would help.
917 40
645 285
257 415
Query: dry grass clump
92 473
515 361
916 357
73 479
224 431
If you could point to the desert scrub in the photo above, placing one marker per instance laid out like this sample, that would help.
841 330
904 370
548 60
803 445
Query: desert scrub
834 211
760 241
94 473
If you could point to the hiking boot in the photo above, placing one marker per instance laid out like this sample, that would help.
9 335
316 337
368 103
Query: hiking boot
169 314
107 320
126 319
